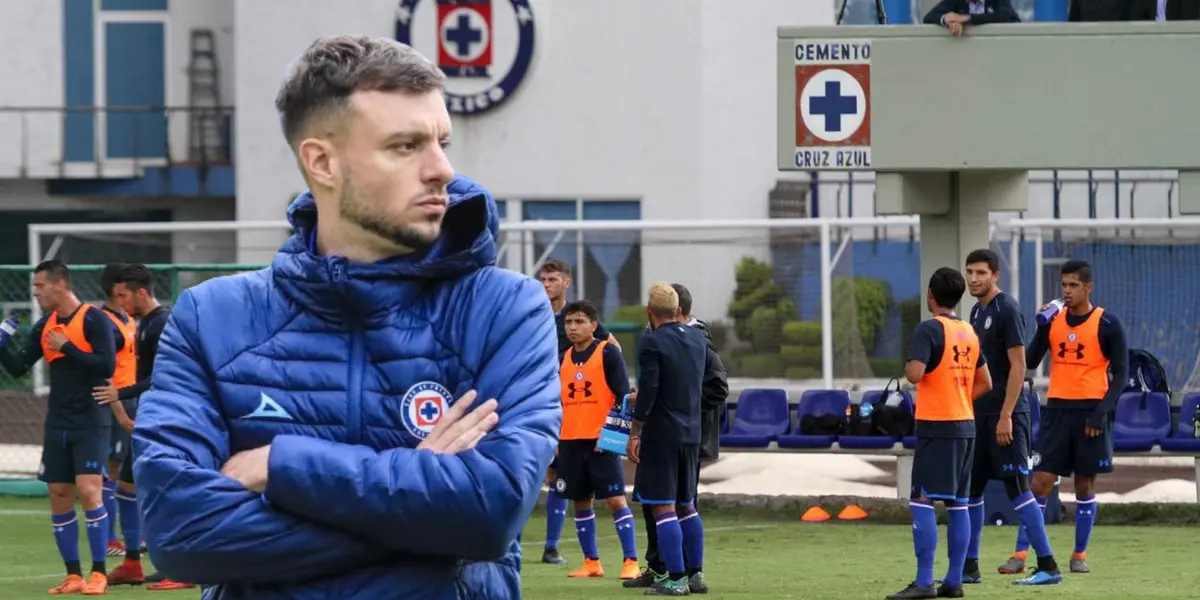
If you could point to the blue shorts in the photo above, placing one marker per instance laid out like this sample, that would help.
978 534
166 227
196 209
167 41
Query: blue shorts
584 474
993 461
667 473
1064 450
69 453
942 468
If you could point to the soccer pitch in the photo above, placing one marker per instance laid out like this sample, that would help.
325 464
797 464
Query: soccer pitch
751 559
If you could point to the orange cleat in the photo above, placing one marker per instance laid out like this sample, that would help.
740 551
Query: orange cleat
630 570
97 584
167 584
73 584
591 568
127 573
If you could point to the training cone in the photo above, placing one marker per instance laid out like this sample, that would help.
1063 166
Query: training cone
852 512
815 514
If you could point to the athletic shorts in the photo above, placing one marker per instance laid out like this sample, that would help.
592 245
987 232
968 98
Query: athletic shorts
119 444
1064 450
666 473
68 453
942 468
584 474
993 461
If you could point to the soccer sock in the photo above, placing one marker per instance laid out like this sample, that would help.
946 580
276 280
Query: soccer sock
924 539
975 512
653 558
670 544
585 526
1033 524
1085 517
958 536
66 536
1023 536
110 505
97 535
623 521
556 516
131 524
693 539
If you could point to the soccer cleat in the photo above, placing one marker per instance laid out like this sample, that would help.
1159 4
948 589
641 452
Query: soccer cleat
155 577
551 556
115 548
97 584
73 584
1012 566
945 591
127 573
669 587
971 573
697 584
914 592
1079 565
590 568
1039 577
166 584
629 569
644 580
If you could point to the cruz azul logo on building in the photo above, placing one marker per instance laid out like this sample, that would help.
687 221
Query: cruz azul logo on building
485 47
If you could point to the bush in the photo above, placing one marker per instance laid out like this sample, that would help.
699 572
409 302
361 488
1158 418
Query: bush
756 289
802 333
910 317
801 356
634 314
761 365
803 373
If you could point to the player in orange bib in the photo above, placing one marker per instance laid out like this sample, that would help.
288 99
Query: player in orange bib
1087 346
950 372
593 380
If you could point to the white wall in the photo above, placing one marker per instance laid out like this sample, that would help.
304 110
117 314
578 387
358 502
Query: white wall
30 76
186 15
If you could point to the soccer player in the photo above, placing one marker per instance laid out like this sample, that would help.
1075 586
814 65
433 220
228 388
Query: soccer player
593 380
1085 343
76 341
133 287
1002 419
125 332
665 440
715 393
555 276
312 429
949 371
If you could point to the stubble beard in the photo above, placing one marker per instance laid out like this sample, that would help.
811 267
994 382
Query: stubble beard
356 208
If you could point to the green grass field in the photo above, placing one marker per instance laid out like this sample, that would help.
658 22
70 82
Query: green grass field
752 559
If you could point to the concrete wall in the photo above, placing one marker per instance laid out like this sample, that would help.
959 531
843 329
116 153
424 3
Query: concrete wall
31 30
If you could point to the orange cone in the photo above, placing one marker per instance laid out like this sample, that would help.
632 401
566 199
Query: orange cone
852 512
815 514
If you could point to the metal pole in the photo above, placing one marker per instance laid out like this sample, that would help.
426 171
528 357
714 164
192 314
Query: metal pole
826 307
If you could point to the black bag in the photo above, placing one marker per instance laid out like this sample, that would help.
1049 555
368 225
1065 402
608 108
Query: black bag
892 420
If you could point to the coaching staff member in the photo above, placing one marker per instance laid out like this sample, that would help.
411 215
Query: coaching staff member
312 428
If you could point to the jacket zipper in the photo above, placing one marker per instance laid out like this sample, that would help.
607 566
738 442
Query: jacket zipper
355 366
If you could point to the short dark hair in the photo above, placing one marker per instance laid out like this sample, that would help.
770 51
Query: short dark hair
321 81
947 286
555 265
584 307
110 277
1080 268
55 270
137 277
984 255
685 299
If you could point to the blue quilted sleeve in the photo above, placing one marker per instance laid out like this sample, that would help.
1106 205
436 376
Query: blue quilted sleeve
201 526
470 505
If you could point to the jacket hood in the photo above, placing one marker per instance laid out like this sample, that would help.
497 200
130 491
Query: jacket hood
339 289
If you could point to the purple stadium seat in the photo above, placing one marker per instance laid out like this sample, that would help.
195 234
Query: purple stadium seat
1183 439
725 418
816 403
1141 420
876 398
761 416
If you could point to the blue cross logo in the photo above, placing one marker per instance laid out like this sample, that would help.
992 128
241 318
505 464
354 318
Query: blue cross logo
429 410
462 35
833 106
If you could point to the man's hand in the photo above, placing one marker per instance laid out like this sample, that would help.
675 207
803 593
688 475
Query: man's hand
126 424
55 339
631 449
458 430
105 394
249 468
632 396
1094 426
1004 430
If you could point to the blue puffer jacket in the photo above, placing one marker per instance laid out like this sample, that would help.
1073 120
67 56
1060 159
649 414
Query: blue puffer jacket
343 369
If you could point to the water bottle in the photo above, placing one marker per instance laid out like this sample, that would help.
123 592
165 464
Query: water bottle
8 327
865 409
1044 317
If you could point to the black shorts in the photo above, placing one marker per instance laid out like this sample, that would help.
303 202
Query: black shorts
1064 450
584 473
119 444
666 473
942 468
993 461
68 453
